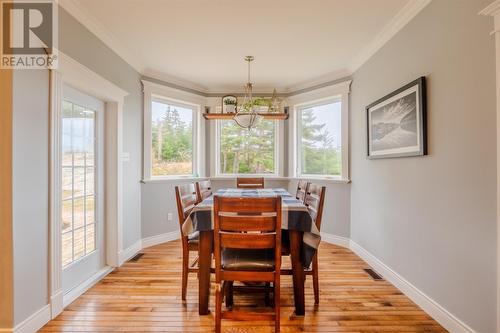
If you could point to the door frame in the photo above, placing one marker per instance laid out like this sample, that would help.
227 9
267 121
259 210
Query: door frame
78 76
493 10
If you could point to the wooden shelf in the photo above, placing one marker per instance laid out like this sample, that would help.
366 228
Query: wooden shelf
275 116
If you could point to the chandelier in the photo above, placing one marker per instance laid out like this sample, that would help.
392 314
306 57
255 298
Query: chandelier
247 115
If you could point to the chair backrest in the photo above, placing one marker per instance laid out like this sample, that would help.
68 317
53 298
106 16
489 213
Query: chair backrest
245 182
247 223
186 199
314 200
203 189
301 190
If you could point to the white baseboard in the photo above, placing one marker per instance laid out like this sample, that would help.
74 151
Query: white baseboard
158 239
334 239
83 287
431 307
129 252
56 304
34 322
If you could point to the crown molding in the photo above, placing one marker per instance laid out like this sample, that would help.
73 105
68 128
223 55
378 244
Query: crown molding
101 32
398 22
493 9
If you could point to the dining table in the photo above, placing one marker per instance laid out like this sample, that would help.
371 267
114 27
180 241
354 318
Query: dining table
304 239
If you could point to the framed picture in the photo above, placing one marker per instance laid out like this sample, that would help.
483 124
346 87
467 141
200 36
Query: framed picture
396 123
229 104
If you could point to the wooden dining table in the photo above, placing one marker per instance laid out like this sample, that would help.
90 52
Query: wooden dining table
303 235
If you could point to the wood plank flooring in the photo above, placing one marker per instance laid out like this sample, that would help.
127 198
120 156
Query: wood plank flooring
145 296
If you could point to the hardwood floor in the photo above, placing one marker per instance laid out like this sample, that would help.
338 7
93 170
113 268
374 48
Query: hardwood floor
145 296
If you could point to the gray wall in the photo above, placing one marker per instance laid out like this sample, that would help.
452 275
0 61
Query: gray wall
31 160
80 44
433 219
30 191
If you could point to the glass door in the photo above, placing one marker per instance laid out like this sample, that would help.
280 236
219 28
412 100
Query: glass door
81 172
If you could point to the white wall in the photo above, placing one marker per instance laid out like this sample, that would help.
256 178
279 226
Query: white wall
432 219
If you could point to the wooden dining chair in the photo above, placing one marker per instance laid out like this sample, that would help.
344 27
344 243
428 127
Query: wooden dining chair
245 182
247 248
203 190
314 200
186 199
301 190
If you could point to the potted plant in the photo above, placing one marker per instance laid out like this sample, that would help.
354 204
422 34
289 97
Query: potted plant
230 105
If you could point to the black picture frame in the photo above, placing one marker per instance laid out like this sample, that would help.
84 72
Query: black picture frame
396 124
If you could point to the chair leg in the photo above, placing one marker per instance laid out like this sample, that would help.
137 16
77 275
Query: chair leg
229 294
266 299
277 304
185 267
315 271
218 308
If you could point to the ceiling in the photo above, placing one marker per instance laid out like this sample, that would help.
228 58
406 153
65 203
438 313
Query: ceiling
201 43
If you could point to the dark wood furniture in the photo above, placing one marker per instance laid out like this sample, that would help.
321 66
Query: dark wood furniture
314 200
203 189
247 248
301 190
186 199
245 182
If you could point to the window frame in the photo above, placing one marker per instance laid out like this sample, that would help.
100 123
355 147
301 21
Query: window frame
278 153
338 92
167 95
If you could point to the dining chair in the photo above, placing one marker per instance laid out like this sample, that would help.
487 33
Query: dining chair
245 182
247 248
186 199
203 190
314 200
301 190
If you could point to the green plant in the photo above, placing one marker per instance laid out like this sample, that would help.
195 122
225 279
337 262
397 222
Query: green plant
229 102
256 102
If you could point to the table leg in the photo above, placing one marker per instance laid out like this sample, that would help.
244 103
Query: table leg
298 271
204 263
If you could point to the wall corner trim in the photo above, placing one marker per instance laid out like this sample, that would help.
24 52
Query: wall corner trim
427 304
161 238
34 322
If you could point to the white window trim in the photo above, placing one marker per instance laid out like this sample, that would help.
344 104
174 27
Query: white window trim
82 78
278 154
153 91
339 91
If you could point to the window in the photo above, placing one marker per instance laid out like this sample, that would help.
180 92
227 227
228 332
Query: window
78 169
319 129
172 137
243 151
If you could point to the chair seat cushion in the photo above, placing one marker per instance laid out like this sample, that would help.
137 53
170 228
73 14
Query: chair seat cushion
194 237
247 260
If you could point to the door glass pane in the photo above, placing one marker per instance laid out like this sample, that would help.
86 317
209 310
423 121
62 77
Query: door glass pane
78 182
90 238
67 248
79 243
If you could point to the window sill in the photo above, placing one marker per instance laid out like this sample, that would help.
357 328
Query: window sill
323 179
230 177
171 179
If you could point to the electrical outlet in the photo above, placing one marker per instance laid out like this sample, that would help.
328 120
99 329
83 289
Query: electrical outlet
169 216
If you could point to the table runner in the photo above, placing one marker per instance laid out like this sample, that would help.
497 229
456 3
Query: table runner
295 216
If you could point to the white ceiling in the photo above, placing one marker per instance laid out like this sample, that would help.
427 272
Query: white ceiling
201 43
